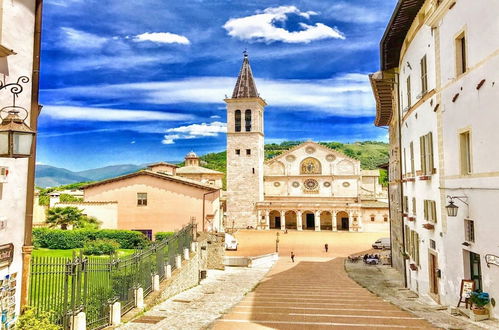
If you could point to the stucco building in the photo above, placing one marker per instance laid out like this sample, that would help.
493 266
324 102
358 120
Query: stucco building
436 91
20 23
308 187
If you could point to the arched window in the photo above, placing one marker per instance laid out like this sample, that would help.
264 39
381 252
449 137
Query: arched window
237 117
247 119
310 166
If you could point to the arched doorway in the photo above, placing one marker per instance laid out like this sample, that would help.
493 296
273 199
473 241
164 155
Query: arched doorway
275 220
326 220
308 220
342 222
290 219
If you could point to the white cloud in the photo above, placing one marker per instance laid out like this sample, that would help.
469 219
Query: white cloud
260 27
345 95
104 114
74 39
162 37
215 116
194 131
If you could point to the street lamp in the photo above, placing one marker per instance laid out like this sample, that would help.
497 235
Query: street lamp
452 208
16 138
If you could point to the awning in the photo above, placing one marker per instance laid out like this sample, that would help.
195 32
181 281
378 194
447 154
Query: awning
383 93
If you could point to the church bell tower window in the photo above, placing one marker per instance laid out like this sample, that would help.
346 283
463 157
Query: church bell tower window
237 117
247 119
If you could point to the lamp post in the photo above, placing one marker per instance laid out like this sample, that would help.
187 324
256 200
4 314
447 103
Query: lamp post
16 138
277 242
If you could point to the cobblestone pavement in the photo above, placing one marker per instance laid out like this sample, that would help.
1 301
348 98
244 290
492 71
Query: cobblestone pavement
315 293
387 283
201 305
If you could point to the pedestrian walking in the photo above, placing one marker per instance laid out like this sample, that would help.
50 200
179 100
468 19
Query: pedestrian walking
292 257
326 247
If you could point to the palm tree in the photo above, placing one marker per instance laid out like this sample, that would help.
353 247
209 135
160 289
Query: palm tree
69 216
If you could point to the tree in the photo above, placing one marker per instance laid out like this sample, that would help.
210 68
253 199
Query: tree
70 216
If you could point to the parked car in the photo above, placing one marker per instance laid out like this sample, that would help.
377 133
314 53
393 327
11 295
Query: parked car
230 242
382 243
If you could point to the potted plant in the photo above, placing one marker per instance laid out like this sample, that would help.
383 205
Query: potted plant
479 300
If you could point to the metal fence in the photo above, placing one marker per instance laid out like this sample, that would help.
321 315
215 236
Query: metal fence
66 286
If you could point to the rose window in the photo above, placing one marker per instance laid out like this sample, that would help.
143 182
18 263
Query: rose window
311 185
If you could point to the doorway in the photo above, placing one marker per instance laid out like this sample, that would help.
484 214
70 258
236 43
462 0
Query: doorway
310 221
476 270
344 224
277 222
433 269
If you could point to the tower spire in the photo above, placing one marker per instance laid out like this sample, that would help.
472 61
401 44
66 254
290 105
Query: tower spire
245 85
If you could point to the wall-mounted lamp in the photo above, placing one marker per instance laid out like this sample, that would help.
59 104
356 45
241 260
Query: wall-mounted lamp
453 208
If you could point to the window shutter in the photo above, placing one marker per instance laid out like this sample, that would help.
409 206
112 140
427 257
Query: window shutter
434 211
426 209
416 257
429 153
422 153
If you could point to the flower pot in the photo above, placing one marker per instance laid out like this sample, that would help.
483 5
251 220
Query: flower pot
480 311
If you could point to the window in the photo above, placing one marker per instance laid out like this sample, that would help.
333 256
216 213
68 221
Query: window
433 244
424 76
247 120
407 238
385 218
141 199
237 119
426 150
411 154
414 251
408 87
461 54
248 151
238 151
405 163
372 217
465 146
469 230
414 205
146 232
430 211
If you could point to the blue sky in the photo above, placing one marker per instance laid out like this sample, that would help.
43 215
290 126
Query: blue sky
142 81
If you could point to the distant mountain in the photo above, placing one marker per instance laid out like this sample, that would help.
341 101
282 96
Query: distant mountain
50 176
102 173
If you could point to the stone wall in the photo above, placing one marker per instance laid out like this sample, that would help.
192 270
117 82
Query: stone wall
184 278
215 251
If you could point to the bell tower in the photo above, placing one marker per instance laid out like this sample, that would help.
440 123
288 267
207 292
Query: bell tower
245 150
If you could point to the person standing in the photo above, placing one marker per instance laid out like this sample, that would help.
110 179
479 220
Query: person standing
326 247
292 256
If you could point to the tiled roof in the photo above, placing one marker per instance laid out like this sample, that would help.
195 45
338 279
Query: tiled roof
196 170
245 85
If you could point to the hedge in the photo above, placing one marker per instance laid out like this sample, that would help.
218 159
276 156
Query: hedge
161 235
74 239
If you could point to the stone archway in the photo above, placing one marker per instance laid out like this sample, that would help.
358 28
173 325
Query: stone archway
308 220
290 217
326 220
342 221
275 219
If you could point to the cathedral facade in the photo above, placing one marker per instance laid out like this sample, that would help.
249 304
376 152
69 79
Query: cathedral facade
308 187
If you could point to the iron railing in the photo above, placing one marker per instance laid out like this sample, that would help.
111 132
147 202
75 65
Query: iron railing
66 286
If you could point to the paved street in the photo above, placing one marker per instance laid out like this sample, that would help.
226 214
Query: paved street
314 293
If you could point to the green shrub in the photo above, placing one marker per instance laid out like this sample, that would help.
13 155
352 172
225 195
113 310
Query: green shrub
100 247
29 320
74 239
162 235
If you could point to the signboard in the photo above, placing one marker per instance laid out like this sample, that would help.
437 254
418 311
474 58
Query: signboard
467 287
6 255
491 259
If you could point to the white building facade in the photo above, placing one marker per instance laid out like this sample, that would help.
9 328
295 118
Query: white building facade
18 58
441 60
308 187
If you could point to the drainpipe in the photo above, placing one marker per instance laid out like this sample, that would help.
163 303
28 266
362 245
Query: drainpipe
30 186
204 207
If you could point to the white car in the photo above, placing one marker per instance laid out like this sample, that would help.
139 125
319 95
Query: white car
382 243
230 242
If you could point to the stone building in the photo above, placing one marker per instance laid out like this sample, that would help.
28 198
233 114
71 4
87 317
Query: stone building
194 171
308 187
436 91
20 25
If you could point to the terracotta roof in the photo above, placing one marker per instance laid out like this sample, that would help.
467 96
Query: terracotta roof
163 176
245 85
162 163
396 31
196 170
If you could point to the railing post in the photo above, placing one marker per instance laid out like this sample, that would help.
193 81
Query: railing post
115 313
178 261
168 271
139 298
155 283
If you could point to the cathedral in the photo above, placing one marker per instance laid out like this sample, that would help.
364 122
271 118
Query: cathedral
309 187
